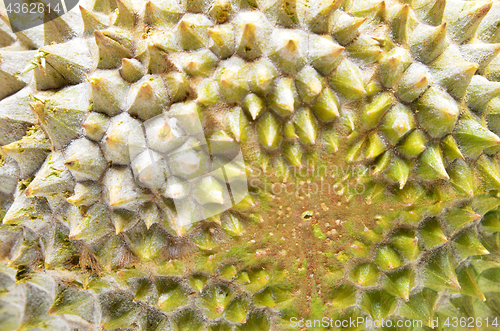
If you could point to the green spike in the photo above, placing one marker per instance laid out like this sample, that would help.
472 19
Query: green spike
382 162
468 281
71 301
222 43
261 76
209 190
284 99
489 170
52 178
29 152
488 29
232 80
431 234
355 151
402 23
324 53
374 9
250 31
317 17
289 131
13 73
309 84
452 72
84 160
125 15
192 31
399 171
457 218
437 112
254 105
259 278
387 258
146 243
306 126
177 86
92 225
427 43
366 274
480 92
420 306
451 150
108 92
347 80
237 310
288 50
462 177
480 53
269 131
375 146
60 115
293 154
113 47
264 299
373 88
58 248
147 98
406 241
374 110
440 271
413 144
473 138
378 303
413 82
171 295
375 192
464 25
232 224
331 140
410 194
393 64
430 11
122 219
256 321
326 106
85 194
105 6
343 296
491 222
150 214
397 122
346 27
215 299
284 12
204 240
365 48
132 70
431 164
92 21
199 63
156 61
489 280
207 93
165 13
467 244
197 282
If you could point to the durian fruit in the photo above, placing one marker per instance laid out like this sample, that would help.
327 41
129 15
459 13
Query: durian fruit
243 164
